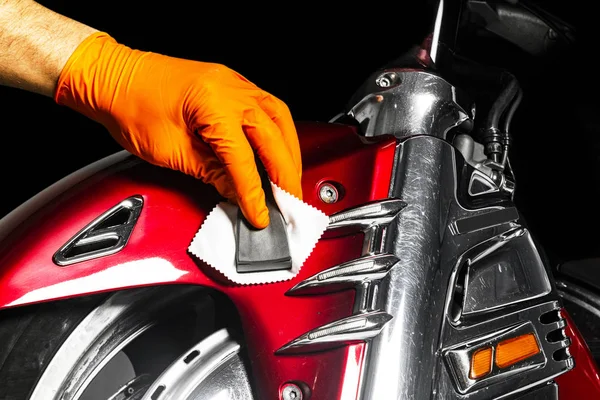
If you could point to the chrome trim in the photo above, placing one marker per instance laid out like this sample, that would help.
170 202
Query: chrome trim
405 359
372 219
353 329
524 375
346 275
363 274
437 31
459 359
421 104
210 370
484 181
115 236
510 257
483 221
364 216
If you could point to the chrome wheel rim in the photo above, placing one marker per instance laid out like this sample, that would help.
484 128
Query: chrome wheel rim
96 362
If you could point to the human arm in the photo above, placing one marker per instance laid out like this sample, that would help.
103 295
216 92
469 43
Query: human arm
35 44
199 118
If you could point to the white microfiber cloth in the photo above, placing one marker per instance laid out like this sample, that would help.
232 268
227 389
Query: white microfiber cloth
215 243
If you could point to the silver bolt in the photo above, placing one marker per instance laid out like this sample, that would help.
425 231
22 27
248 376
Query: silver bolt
387 79
328 193
291 392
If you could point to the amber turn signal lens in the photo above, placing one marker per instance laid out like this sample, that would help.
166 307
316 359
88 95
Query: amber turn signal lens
511 351
481 363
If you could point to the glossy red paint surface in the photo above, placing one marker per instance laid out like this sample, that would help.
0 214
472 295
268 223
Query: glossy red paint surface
583 381
174 208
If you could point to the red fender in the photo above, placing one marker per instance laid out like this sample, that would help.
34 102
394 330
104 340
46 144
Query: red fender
175 206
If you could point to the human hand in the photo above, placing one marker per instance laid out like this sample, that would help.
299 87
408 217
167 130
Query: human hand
202 119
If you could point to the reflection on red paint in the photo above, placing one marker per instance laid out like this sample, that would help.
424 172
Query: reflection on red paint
583 381
174 207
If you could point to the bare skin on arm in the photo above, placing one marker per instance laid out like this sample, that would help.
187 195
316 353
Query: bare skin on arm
35 44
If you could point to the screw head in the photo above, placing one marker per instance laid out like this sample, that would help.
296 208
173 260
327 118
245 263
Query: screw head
291 391
328 193
387 79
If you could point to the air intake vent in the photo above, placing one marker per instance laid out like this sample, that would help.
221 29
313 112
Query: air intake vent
106 235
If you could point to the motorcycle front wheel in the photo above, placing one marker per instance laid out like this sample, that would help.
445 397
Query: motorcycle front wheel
155 343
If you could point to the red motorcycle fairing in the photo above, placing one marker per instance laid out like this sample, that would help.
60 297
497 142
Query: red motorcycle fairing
174 208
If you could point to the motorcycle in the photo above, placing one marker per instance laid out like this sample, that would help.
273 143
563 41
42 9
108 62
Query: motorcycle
427 283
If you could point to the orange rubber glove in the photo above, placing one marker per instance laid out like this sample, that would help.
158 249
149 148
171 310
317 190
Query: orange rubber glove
199 118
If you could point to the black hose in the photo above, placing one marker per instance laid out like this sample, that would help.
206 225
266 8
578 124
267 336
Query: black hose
511 112
502 102
506 127
492 137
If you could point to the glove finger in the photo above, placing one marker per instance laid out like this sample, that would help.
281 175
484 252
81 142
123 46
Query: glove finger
280 114
198 160
232 149
265 136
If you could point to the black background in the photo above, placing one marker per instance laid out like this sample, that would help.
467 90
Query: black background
314 56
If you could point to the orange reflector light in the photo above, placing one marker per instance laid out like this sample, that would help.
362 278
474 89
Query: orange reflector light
511 351
481 363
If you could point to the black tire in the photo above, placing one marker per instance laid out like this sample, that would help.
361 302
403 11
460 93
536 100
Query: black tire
54 350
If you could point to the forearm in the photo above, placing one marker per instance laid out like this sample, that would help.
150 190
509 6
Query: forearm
35 44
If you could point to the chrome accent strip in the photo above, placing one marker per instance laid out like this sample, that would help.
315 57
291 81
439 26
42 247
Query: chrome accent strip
364 216
436 31
116 236
372 219
352 329
483 221
362 274
346 275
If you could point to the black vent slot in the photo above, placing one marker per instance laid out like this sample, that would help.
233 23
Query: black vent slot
106 235
550 317
555 336
119 218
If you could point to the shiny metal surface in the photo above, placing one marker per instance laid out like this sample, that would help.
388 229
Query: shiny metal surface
103 236
372 219
459 359
101 335
527 373
419 103
350 274
502 271
403 361
356 328
363 274
211 370
133 389
487 177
